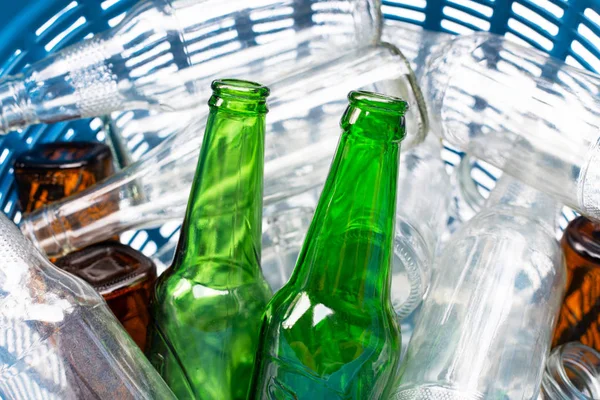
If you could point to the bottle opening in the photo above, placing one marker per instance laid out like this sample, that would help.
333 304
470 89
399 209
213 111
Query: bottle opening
240 88
582 367
573 370
378 102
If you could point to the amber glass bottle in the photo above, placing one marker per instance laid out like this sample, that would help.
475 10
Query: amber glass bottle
579 318
123 276
51 171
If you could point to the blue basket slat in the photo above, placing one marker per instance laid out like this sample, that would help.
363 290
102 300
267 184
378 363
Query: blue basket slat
536 28
13 63
532 42
467 10
61 21
463 23
404 6
590 25
100 19
590 47
402 18
499 19
547 15
582 61
433 15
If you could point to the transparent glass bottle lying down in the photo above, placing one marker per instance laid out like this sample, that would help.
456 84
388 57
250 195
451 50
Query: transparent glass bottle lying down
58 338
165 53
518 109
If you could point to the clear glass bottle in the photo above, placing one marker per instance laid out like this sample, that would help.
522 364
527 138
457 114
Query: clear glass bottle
572 373
424 197
518 109
301 138
579 318
59 340
123 276
52 171
164 54
485 327
282 240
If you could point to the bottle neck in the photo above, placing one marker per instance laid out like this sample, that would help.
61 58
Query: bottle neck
572 372
15 110
347 250
223 221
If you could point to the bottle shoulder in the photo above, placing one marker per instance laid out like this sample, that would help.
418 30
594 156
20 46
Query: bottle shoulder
582 237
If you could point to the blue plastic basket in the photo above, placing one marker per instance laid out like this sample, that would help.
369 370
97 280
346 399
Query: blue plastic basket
568 30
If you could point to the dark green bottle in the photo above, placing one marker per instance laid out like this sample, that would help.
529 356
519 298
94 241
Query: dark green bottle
208 306
330 332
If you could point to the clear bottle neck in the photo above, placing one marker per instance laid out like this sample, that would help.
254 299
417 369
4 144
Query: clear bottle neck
572 372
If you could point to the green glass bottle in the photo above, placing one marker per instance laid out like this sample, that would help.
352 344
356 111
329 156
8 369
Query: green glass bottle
208 306
330 332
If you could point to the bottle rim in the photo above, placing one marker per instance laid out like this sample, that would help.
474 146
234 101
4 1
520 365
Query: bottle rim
378 102
572 369
239 88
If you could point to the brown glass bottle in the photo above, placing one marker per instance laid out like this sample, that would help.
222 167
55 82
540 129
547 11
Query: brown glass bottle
579 318
52 171
123 276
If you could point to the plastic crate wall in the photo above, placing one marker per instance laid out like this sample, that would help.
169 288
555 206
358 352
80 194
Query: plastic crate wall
568 30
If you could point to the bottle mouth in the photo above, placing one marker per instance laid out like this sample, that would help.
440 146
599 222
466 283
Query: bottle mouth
575 371
241 89
378 102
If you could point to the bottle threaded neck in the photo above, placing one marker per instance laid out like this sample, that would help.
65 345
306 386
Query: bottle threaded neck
240 96
572 372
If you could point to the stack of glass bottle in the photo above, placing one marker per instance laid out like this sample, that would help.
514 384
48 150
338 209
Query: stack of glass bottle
330 331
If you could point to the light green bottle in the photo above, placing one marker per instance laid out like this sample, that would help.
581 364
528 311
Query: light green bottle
208 306
331 333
